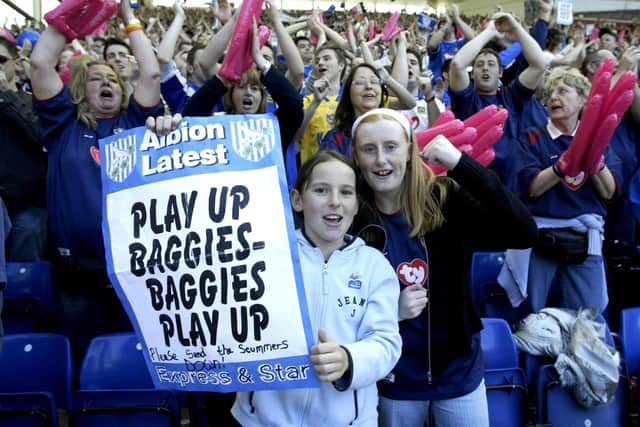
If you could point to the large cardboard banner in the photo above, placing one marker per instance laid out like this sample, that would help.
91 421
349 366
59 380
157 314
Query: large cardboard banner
200 247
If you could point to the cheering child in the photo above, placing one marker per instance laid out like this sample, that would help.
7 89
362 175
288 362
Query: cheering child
353 295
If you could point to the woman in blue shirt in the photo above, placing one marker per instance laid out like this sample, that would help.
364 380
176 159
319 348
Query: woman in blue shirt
428 227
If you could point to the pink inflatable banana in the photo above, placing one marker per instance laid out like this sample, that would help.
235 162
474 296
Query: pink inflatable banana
626 82
372 30
496 119
608 66
486 141
437 169
238 57
482 115
466 137
601 140
390 29
78 18
572 160
448 130
314 39
486 158
445 117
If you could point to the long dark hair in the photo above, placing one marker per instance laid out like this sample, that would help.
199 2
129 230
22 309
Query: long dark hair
345 113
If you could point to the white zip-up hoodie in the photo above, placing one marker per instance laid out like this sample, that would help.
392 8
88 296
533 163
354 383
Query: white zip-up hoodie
354 297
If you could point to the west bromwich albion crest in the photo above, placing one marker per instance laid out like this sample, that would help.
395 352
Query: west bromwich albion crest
120 158
253 139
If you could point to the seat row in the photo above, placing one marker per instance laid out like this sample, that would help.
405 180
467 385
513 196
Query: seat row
30 299
113 370
114 385
515 380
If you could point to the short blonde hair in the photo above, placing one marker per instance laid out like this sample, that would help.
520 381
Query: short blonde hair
77 63
572 77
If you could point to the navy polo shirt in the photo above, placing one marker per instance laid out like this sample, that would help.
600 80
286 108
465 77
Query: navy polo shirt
74 188
537 150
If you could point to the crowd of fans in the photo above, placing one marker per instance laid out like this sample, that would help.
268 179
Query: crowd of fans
338 80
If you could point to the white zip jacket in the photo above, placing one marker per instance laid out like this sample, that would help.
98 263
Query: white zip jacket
354 297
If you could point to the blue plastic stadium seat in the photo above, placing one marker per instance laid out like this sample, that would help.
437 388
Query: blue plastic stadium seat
630 340
630 337
140 408
116 389
28 410
531 366
114 361
29 298
556 405
485 267
504 380
491 299
506 397
35 379
498 345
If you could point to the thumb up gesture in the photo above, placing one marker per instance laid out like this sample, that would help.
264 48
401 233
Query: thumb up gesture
330 361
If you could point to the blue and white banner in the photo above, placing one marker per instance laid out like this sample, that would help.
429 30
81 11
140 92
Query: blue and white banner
426 23
201 248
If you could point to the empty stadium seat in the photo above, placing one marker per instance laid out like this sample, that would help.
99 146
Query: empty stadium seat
29 297
114 361
504 380
506 397
35 379
485 267
116 389
630 338
491 299
498 345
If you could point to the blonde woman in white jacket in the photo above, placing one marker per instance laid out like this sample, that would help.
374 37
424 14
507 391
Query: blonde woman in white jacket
352 294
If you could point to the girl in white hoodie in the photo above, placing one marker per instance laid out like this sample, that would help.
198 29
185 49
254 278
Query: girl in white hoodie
352 295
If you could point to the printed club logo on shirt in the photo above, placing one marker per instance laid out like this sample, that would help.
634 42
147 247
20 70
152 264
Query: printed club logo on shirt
95 155
413 273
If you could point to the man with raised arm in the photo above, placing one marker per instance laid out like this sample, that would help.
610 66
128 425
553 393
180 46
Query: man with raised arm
471 94
443 43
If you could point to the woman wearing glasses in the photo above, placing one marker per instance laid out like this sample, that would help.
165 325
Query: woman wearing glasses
365 89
